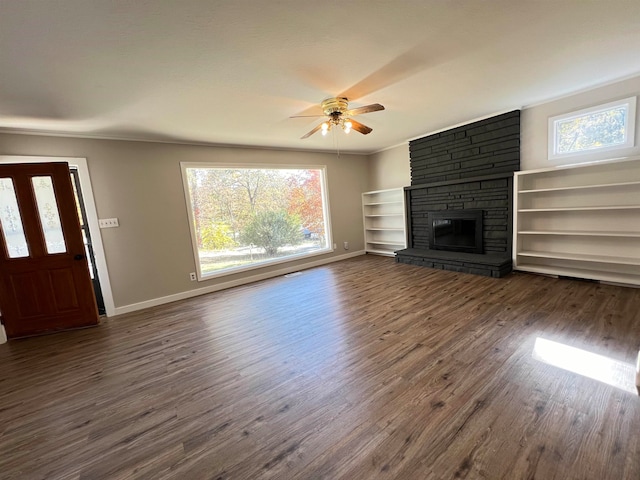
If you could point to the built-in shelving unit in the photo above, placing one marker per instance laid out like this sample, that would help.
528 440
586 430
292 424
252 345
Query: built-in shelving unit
581 221
384 221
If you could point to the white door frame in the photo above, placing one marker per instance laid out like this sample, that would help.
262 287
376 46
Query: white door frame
92 217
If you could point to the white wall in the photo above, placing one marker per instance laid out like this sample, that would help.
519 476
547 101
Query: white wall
534 122
390 168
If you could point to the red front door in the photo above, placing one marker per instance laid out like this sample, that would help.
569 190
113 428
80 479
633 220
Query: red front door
44 277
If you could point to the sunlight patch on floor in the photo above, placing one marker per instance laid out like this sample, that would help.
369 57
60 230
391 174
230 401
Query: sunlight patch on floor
597 367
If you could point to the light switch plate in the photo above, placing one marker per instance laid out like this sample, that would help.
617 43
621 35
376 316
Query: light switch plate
108 222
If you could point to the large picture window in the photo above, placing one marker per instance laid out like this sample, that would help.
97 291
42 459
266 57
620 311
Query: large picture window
596 129
243 218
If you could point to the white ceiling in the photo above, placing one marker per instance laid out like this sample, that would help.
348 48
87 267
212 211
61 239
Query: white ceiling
233 72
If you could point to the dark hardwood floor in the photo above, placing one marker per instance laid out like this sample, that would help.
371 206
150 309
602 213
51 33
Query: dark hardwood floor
362 369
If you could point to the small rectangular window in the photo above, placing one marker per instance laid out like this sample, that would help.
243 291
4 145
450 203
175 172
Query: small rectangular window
576 136
243 218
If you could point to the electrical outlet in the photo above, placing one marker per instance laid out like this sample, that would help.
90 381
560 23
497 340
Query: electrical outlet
335 246
192 276
108 222
346 245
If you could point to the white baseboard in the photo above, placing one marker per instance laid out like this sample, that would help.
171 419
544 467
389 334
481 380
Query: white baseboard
233 283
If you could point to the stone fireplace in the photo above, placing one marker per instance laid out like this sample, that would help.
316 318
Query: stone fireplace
461 193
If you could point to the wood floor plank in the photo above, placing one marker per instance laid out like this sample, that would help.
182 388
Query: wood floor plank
361 369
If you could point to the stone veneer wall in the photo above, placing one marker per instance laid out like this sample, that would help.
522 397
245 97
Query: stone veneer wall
468 167
486 147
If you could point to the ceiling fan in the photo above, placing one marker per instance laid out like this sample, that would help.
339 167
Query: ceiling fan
338 113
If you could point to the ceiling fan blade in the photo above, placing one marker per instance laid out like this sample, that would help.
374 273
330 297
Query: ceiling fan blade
374 107
358 127
318 127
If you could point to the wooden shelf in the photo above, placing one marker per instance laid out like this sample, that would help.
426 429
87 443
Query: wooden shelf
580 187
384 221
593 225
385 229
582 257
594 274
592 233
576 209
383 203
391 244
385 215
387 253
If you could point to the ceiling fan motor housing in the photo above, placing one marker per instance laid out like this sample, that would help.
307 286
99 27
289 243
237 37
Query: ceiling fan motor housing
335 105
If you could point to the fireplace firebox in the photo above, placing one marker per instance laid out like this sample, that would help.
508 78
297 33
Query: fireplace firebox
456 230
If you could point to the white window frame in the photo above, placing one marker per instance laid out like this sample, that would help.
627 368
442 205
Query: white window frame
594 154
265 263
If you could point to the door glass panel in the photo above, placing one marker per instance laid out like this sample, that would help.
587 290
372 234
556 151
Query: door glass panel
12 229
49 216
